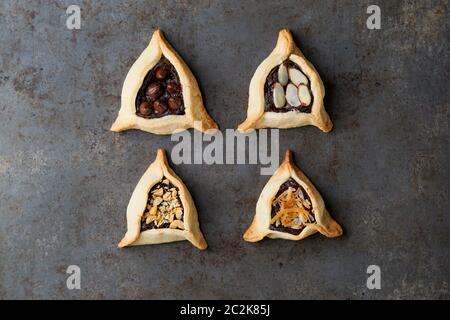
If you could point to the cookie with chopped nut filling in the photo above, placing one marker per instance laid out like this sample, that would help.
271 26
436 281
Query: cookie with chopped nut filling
161 209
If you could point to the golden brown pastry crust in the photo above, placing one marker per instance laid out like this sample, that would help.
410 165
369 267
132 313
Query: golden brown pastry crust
195 113
260 225
258 118
136 207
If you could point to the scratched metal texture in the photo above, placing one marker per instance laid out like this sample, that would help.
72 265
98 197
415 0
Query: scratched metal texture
65 179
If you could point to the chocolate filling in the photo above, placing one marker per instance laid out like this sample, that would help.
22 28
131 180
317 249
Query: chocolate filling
160 94
272 78
165 208
291 183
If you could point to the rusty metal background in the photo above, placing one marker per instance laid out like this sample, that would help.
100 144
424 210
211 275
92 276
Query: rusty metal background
65 180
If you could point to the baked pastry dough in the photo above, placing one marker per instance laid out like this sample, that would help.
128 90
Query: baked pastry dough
286 91
158 116
161 209
290 207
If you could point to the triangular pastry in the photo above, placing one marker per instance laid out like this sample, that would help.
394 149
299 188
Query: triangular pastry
290 207
160 94
286 91
161 209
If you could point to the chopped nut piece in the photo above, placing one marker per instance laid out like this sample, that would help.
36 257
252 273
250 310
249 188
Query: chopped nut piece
153 211
158 192
167 196
150 219
166 181
179 213
177 224
160 220
175 203
157 201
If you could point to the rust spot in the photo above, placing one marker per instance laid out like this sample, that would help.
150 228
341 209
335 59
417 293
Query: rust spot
27 80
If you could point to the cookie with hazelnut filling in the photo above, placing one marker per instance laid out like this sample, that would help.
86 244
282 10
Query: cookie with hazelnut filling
160 94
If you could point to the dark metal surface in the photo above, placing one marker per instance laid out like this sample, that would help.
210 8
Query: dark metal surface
65 180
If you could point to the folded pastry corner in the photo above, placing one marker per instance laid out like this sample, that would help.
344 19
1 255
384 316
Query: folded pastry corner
286 91
290 207
160 94
161 209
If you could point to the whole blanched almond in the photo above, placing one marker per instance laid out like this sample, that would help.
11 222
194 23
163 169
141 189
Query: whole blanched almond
304 95
278 96
297 77
292 96
283 77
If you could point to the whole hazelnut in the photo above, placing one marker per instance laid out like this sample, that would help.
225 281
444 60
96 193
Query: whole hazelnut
174 103
173 88
161 73
159 107
154 90
145 108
